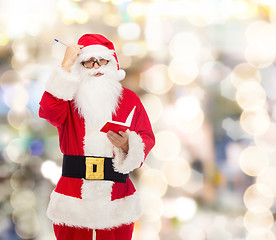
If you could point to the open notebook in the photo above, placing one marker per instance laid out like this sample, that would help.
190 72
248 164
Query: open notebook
118 126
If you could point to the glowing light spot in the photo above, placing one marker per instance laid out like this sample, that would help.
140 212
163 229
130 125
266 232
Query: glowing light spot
260 32
153 105
154 34
26 222
268 178
259 218
253 161
258 195
269 3
119 2
188 107
136 9
156 80
183 71
245 72
182 208
112 20
23 199
185 44
260 233
267 140
134 49
21 180
15 149
19 17
154 181
259 55
272 12
10 76
152 205
255 123
189 116
177 172
244 9
261 37
16 97
202 13
16 119
3 39
129 31
72 13
167 146
187 208
83 17
51 171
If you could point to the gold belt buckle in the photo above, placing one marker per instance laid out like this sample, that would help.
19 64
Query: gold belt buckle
94 168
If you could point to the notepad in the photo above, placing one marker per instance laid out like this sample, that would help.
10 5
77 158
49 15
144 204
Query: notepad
118 126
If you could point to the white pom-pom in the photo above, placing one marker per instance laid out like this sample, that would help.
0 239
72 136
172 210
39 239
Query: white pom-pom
121 74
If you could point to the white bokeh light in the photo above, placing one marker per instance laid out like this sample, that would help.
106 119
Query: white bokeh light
51 171
167 145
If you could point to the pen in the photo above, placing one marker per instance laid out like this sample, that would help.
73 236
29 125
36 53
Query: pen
60 42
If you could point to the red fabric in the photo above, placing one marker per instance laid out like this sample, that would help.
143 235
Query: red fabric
64 115
120 190
71 128
70 233
121 233
69 186
140 123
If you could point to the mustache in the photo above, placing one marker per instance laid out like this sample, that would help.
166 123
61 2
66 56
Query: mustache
92 72
106 71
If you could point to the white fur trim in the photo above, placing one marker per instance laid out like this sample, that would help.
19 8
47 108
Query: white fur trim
97 98
96 143
95 190
99 213
62 84
121 74
125 163
97 51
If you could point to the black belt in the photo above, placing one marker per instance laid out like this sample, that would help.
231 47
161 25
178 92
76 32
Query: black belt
93 168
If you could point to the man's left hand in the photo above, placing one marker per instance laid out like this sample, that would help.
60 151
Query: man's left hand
119 140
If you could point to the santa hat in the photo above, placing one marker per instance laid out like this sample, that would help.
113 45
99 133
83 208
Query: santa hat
96 45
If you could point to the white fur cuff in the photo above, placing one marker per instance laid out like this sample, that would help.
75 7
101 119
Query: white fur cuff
125 163
101 213
62 84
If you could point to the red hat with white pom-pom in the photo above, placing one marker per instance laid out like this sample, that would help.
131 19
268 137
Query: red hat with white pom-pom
96 45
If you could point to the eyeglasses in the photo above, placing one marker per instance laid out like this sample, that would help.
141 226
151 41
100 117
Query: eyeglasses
90 63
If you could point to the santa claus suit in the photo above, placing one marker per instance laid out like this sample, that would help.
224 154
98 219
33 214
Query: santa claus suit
79 109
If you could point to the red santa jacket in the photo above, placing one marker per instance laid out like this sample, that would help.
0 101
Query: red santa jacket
88 203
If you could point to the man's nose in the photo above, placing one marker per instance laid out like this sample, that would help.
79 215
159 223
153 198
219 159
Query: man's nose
96 65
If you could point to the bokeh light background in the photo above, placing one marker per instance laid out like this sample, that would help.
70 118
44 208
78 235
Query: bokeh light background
205 71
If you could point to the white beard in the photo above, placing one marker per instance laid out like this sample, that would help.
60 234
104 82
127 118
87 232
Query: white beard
97 97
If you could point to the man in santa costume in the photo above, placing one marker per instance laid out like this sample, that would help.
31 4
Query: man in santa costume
94 198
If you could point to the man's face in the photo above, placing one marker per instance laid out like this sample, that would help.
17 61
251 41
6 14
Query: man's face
94 63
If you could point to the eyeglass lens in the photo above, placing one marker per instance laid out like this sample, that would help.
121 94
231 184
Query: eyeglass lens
91 63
